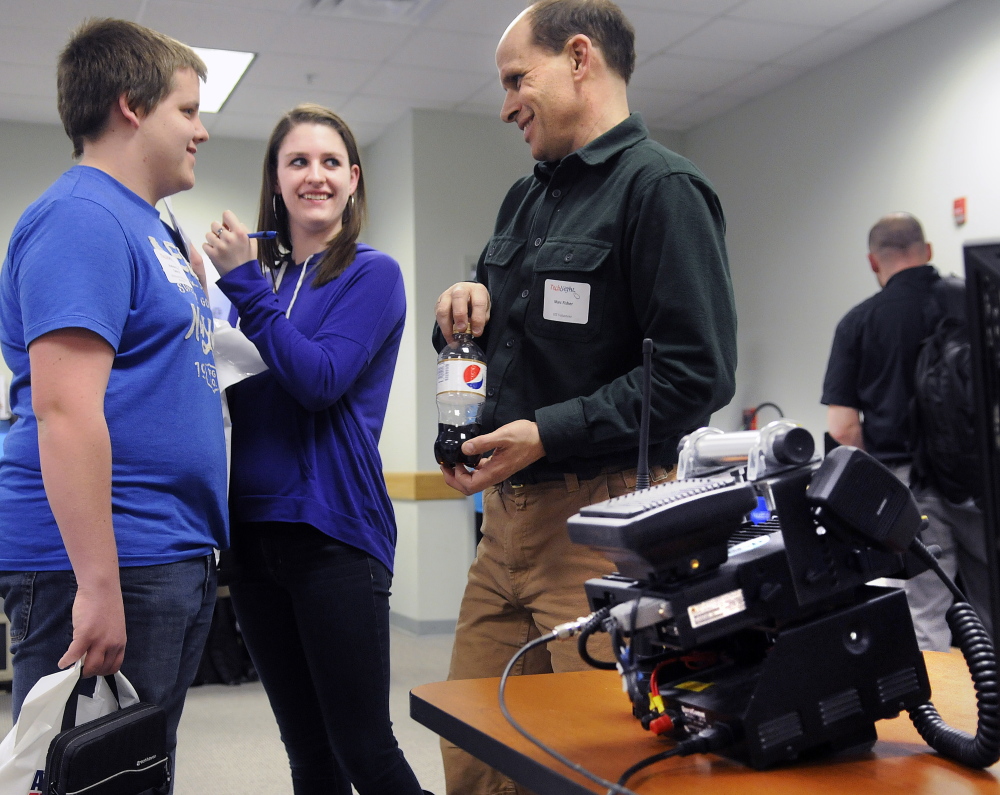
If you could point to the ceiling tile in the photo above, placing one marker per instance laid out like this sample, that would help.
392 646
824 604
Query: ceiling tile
695 56
676 73
280 6
417 85
825 48
215 26
272 102
742 40
347 39
656 30
709 7
761 81
243 125
279 70
894 14
367 134
36 47
703 109
484 17
826 14
64 14
657 104
490 93
372 110
440 49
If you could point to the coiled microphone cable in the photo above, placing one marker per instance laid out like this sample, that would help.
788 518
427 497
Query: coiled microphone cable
976 645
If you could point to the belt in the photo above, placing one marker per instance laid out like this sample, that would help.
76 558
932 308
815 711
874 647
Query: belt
548 476
525 478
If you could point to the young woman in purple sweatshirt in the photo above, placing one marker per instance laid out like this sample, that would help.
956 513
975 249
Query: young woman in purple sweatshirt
313 530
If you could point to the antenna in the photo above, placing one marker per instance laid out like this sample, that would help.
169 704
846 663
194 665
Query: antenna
642 470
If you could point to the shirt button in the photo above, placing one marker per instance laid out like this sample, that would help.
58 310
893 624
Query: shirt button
510 343
568 257
524 294
490 392
538 241
556 193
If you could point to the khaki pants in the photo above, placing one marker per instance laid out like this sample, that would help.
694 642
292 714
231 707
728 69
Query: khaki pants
527 578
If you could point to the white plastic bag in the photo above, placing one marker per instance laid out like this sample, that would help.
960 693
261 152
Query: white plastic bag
236 358
23 750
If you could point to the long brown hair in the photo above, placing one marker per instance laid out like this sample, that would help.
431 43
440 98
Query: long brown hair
340 250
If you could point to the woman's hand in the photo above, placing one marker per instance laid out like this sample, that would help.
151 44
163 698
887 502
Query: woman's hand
227 245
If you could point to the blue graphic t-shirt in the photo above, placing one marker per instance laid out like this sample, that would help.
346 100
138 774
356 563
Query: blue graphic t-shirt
92 254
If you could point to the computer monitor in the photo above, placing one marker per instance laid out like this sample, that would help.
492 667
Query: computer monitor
982 280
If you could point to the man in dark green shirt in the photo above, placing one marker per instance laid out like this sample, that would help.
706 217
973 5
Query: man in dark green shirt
613 238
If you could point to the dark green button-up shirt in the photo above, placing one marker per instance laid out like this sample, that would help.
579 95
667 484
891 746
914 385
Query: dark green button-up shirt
620 240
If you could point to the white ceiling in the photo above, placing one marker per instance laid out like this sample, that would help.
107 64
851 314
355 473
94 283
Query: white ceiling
696 58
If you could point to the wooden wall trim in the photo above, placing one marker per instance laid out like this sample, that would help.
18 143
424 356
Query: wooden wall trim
419 486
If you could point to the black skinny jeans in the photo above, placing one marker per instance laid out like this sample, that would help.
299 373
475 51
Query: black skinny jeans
315 616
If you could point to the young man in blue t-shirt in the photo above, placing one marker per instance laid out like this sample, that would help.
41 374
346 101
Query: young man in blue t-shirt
112 483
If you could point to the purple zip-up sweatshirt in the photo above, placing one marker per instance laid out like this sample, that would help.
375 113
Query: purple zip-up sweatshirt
305 432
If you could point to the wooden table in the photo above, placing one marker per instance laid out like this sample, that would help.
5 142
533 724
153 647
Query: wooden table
586 716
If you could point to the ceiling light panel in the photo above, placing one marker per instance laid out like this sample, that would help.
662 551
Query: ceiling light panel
225 69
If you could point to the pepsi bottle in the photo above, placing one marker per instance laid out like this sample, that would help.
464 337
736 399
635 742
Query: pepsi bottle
461 392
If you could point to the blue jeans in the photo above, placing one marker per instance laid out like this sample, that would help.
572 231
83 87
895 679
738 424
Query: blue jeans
314 613
168 613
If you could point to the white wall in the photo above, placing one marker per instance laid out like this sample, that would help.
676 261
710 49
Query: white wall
435 183
388 169
906 123
464 167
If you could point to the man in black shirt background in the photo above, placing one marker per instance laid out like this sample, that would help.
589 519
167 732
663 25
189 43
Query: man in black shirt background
868 387
613 238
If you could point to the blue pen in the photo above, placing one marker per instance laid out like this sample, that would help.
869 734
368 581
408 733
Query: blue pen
264 235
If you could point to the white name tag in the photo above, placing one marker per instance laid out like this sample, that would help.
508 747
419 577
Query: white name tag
172 269
566 302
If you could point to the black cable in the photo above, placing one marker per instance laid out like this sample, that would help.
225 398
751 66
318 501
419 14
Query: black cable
917 548
767 404
649 760
977 648
976 645
612 788
581 646
713 738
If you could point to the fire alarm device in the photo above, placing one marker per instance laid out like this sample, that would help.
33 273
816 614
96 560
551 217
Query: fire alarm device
958 208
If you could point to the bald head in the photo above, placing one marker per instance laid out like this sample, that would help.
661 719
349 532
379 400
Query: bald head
895 243
895 232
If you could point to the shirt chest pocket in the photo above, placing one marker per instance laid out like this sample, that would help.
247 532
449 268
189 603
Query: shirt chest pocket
569 289
500 253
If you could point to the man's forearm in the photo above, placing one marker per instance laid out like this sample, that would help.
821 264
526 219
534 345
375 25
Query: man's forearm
844 424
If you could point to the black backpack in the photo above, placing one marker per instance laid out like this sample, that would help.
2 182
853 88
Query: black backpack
942 414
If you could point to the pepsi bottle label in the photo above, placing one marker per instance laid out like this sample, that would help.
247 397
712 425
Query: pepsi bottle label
461 375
